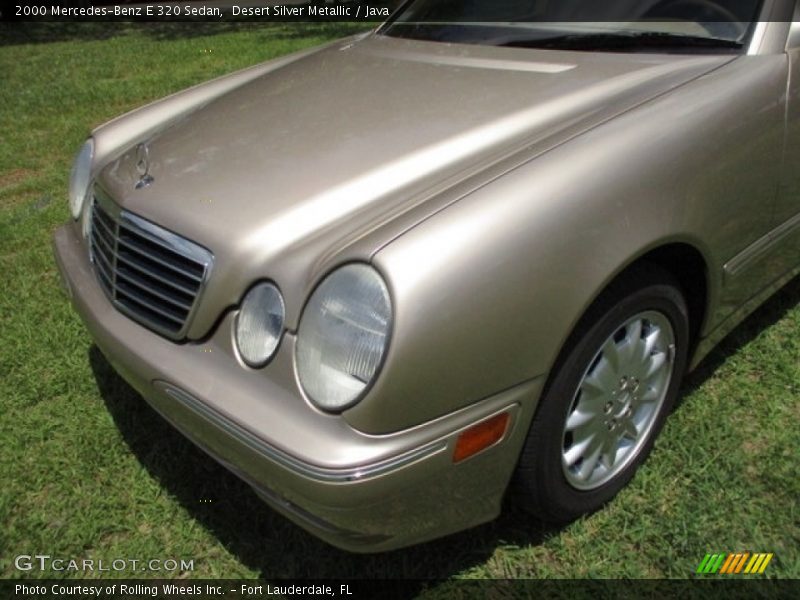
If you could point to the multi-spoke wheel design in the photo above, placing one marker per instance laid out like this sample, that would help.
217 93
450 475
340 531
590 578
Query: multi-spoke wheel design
617 400
609 393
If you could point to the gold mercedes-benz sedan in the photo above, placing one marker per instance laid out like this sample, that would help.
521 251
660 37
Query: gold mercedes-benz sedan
473 252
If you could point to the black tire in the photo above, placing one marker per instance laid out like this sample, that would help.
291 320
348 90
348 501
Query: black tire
545 481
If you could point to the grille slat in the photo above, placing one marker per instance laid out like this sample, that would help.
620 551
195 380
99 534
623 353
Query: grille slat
143 313
105 281
140 283
126 292
159 247
151 274
127 264
103 264
164 262
109 228
108 244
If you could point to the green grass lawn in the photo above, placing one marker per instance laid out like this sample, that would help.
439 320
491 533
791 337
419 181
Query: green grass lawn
89 471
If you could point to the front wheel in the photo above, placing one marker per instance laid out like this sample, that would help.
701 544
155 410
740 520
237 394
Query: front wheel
607 398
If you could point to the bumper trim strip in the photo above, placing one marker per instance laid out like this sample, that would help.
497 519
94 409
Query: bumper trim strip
290 462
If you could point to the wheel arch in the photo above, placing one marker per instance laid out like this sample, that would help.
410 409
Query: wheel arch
684 262
640 284
689 267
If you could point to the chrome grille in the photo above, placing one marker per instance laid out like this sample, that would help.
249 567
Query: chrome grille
152 275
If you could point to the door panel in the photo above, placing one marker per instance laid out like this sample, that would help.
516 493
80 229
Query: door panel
787 209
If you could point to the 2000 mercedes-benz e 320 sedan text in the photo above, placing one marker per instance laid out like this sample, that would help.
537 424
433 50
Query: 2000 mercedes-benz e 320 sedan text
387 280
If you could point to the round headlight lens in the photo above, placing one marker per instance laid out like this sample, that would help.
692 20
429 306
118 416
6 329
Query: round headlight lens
343 336
259 324
79 177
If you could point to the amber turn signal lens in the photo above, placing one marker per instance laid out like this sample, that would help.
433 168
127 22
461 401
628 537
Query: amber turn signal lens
480 436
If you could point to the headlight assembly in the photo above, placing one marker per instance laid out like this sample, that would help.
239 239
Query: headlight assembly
259 324
80 178
343 335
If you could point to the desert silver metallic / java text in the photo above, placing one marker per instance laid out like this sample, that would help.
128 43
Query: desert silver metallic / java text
618 401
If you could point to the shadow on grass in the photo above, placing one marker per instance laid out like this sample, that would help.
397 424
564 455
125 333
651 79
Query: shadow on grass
269 544
46 32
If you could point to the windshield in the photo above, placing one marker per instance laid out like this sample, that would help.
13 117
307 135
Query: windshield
612 25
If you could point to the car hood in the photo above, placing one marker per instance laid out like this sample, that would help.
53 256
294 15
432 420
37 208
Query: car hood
278 175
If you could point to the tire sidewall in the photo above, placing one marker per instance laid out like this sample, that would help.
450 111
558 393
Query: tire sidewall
540 471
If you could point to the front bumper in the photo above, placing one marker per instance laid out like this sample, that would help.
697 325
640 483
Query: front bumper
359 492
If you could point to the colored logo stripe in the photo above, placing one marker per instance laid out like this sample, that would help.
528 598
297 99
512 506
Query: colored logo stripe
734 563
711 563
758 563
729 564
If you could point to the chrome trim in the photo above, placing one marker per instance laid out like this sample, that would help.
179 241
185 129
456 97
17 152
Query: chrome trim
772 32
287 461
757 38
708 343
794 30
172 242
165 239
761 247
